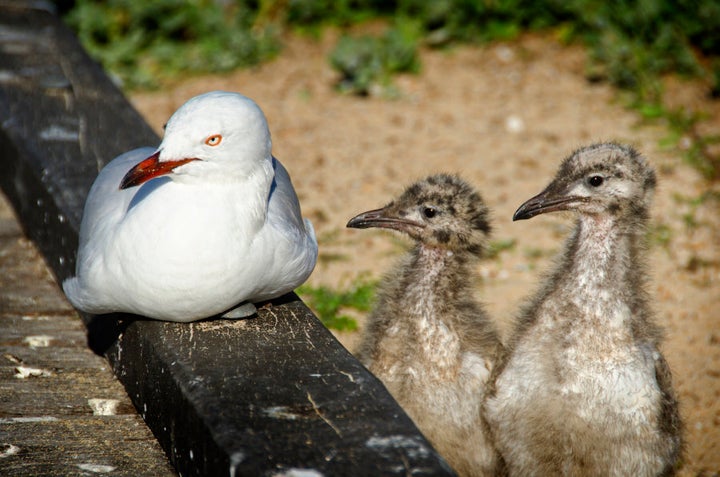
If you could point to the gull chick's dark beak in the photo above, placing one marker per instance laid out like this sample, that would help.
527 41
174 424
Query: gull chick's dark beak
546 201
382 219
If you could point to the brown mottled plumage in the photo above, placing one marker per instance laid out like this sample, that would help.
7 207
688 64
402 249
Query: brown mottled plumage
428 339
583 388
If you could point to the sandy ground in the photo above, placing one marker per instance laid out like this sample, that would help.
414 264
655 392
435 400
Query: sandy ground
503 117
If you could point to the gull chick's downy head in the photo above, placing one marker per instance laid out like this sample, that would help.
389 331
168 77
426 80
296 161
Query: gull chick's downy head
605 178
440 211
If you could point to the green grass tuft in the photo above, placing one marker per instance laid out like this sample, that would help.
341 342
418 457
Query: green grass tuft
144 43
660 234
496 247
328 303
369 62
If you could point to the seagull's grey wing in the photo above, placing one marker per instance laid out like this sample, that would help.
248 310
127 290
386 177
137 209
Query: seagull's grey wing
283 202
299 251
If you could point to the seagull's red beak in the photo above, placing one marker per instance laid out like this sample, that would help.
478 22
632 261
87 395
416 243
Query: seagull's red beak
150 168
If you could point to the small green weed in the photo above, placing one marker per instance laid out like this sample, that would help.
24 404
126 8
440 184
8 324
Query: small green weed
496 247
329 257
536 253
368 62
690 220
659 234
328 303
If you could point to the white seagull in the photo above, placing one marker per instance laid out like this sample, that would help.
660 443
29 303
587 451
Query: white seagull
207 223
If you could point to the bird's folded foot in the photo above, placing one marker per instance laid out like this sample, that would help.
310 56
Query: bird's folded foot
241 311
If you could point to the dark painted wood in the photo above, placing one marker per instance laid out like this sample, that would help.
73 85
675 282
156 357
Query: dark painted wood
256 397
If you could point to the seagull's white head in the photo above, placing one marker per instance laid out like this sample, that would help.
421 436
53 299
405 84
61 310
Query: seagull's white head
215 136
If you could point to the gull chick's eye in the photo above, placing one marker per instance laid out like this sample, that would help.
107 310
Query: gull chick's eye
429 212
213 140
596 181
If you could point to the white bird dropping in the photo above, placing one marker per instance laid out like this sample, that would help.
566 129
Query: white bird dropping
206 223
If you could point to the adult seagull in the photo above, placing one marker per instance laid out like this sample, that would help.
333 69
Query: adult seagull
207 223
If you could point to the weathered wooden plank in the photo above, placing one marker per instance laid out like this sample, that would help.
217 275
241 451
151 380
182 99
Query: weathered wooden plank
84 445
255 397
20 260
52 385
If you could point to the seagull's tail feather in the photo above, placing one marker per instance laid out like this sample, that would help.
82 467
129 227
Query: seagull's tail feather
81 299
73 292
310 230
312 246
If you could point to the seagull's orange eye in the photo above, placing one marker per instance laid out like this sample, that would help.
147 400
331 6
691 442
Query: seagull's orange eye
213 140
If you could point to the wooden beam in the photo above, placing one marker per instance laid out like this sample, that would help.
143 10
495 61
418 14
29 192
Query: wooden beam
62 412
264 396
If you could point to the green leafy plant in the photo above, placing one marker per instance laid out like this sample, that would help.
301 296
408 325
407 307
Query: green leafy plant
145 42
536 253
309 14
367 61
328 303
660 234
